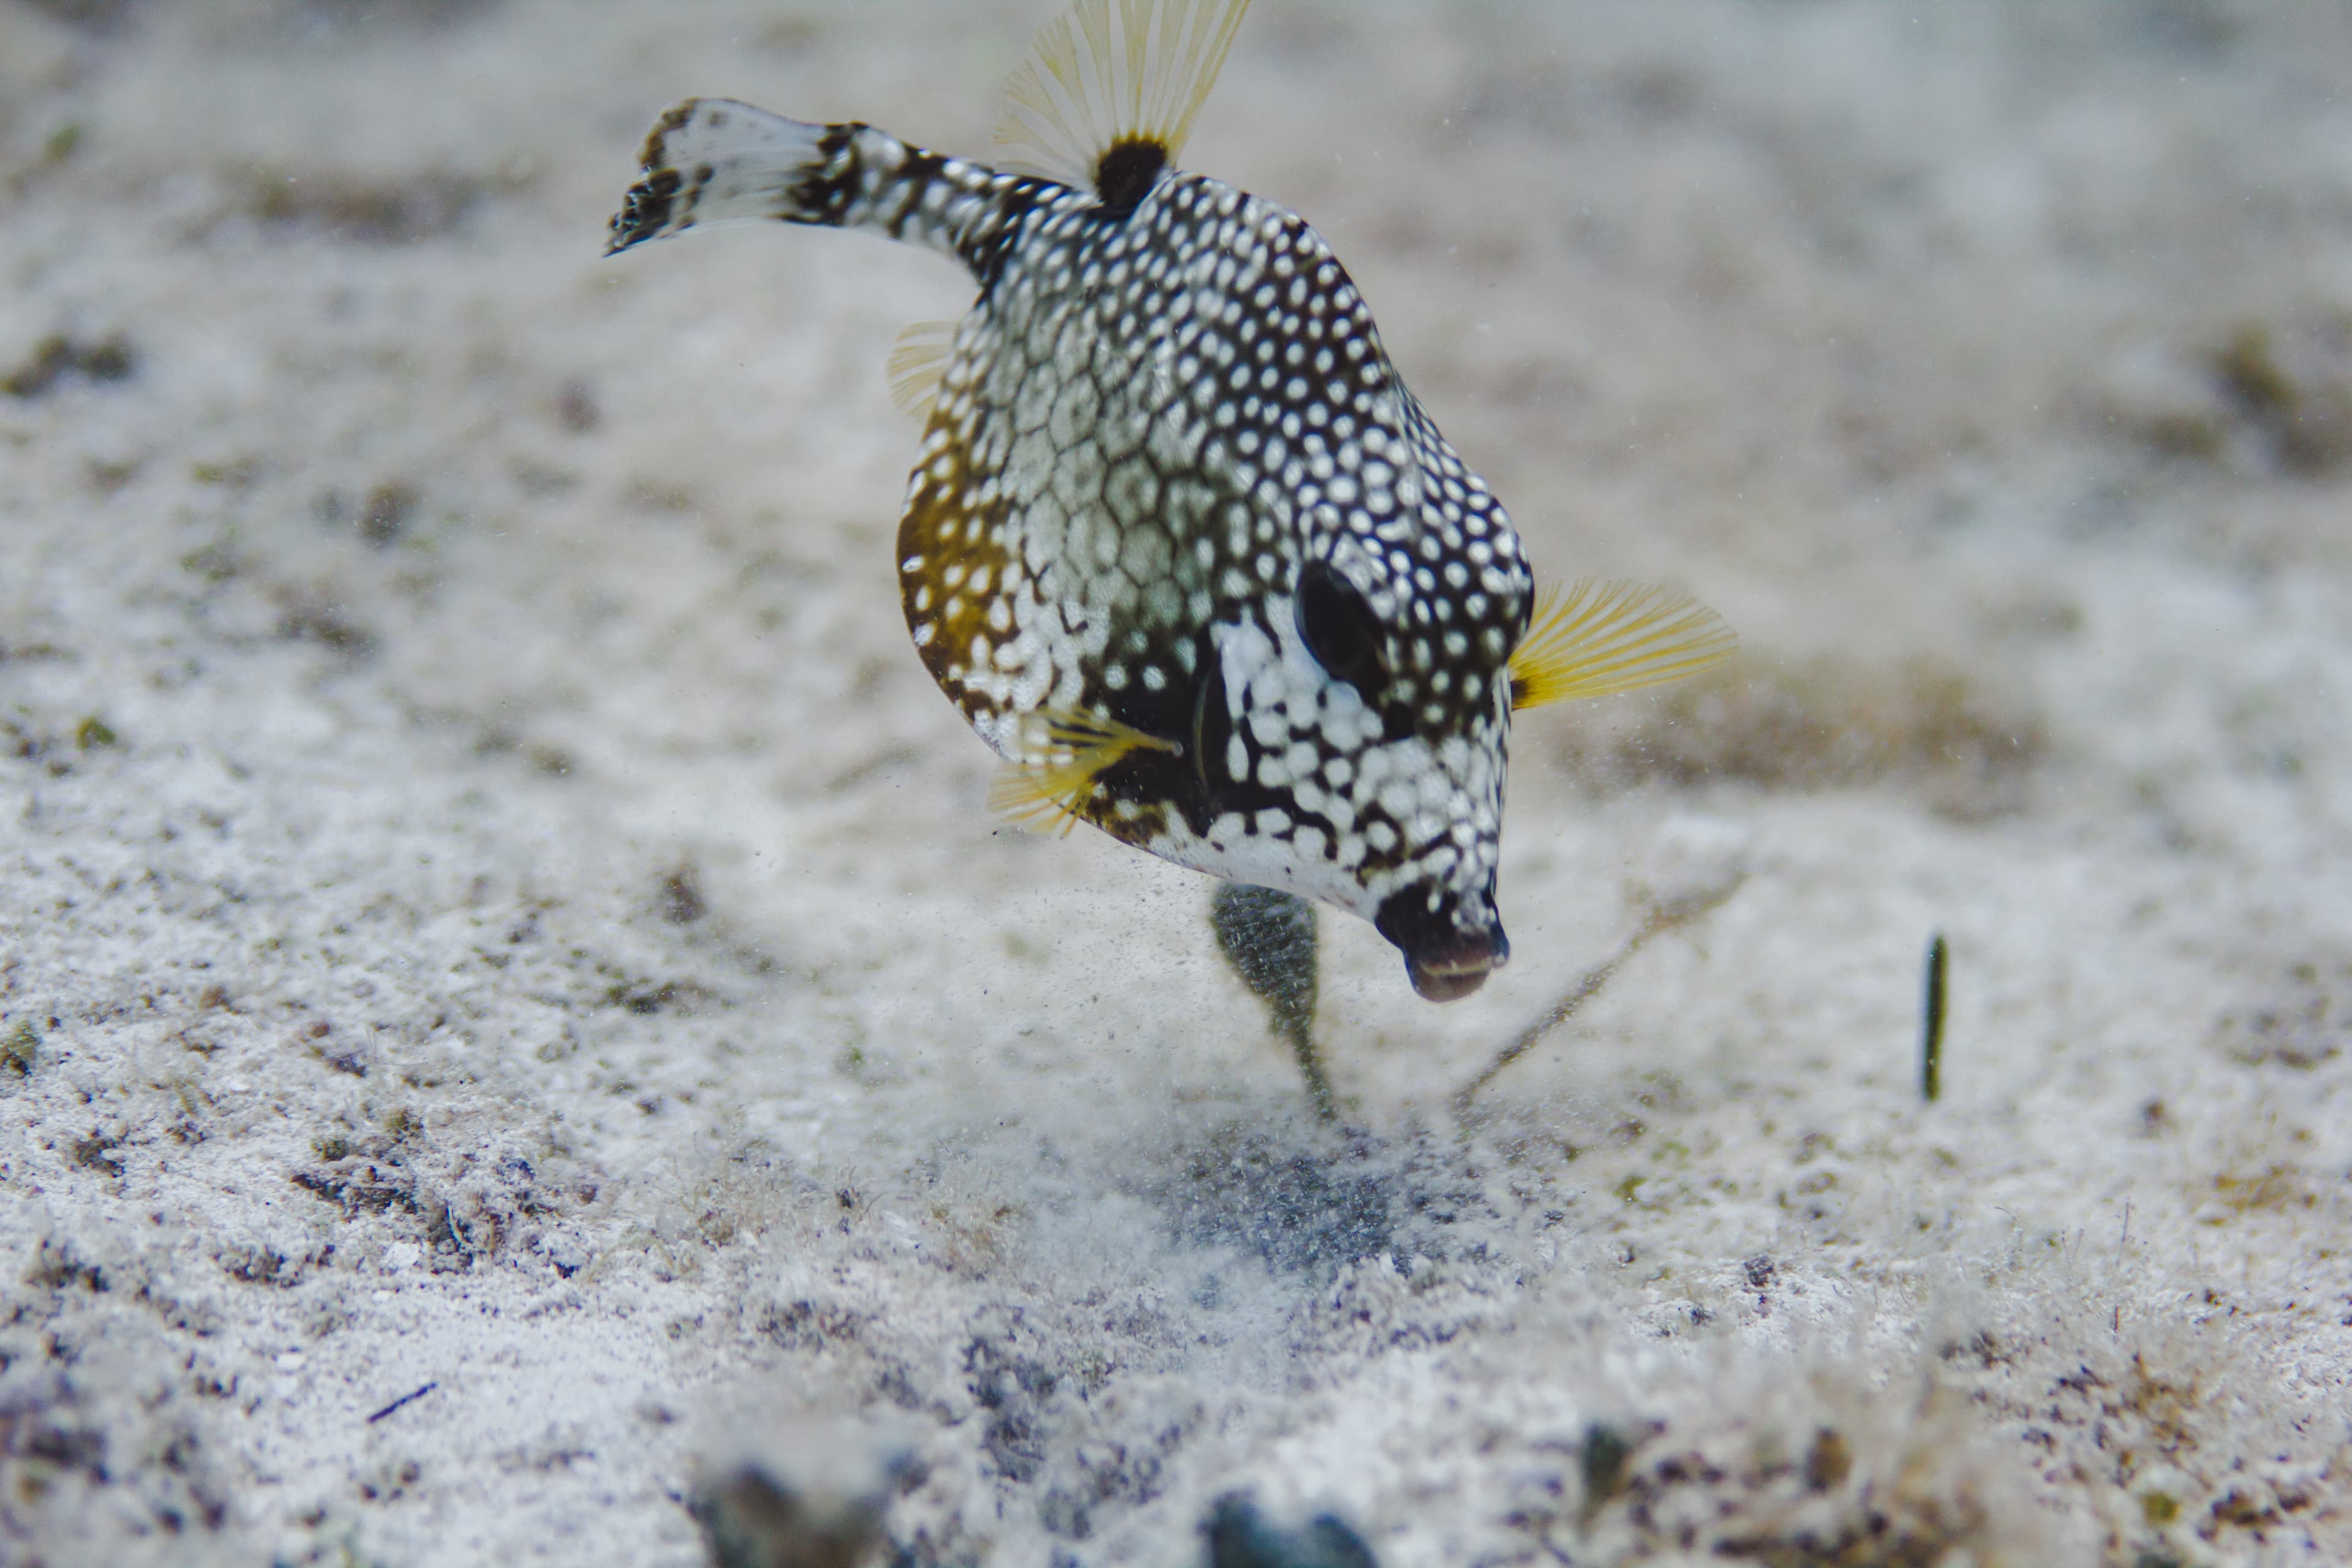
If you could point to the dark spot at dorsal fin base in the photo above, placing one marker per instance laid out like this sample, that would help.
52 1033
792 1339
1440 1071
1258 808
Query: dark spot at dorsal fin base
1123 174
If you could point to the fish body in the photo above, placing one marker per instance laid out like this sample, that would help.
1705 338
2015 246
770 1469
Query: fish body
1179 542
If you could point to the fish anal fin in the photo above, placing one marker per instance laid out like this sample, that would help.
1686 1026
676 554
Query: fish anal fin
1601 638
917 359
1054 760
1110 88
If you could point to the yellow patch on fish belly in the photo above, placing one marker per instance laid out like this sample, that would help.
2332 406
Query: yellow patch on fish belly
958 577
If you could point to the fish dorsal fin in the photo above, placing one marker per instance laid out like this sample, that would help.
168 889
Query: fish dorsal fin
1107 94
917 359
1602 637
1057 755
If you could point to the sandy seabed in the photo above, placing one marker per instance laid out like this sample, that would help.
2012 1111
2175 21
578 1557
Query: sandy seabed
489 904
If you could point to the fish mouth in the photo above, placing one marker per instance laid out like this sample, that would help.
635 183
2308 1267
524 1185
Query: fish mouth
1452 975
1444 962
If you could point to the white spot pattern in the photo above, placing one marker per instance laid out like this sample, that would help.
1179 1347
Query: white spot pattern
1151 424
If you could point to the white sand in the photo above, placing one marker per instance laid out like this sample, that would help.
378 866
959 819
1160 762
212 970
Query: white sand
363 1048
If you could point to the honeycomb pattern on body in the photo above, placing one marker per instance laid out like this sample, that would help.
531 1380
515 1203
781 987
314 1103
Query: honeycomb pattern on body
1148 424
1156 417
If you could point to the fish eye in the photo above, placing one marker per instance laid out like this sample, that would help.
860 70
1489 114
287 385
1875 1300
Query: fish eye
1339 628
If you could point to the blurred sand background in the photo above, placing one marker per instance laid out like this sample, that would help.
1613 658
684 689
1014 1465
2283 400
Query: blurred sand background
488 899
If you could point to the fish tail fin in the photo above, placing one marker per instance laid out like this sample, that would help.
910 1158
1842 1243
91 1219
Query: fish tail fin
714 160
1601 637
1109 90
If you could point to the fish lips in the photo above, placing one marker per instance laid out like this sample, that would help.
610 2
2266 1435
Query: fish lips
1443 961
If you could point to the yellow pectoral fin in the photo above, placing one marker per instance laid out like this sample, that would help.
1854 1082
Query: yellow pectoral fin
917 359
1605 636
1057 754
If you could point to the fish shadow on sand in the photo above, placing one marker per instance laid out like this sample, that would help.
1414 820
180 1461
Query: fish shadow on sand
1309 1202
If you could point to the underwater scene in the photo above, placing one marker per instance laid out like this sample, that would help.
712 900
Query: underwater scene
1481 782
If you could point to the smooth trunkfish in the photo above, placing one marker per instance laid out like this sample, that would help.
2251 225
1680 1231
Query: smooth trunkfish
1179 542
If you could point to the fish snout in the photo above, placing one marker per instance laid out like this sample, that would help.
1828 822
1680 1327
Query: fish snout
1444 959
